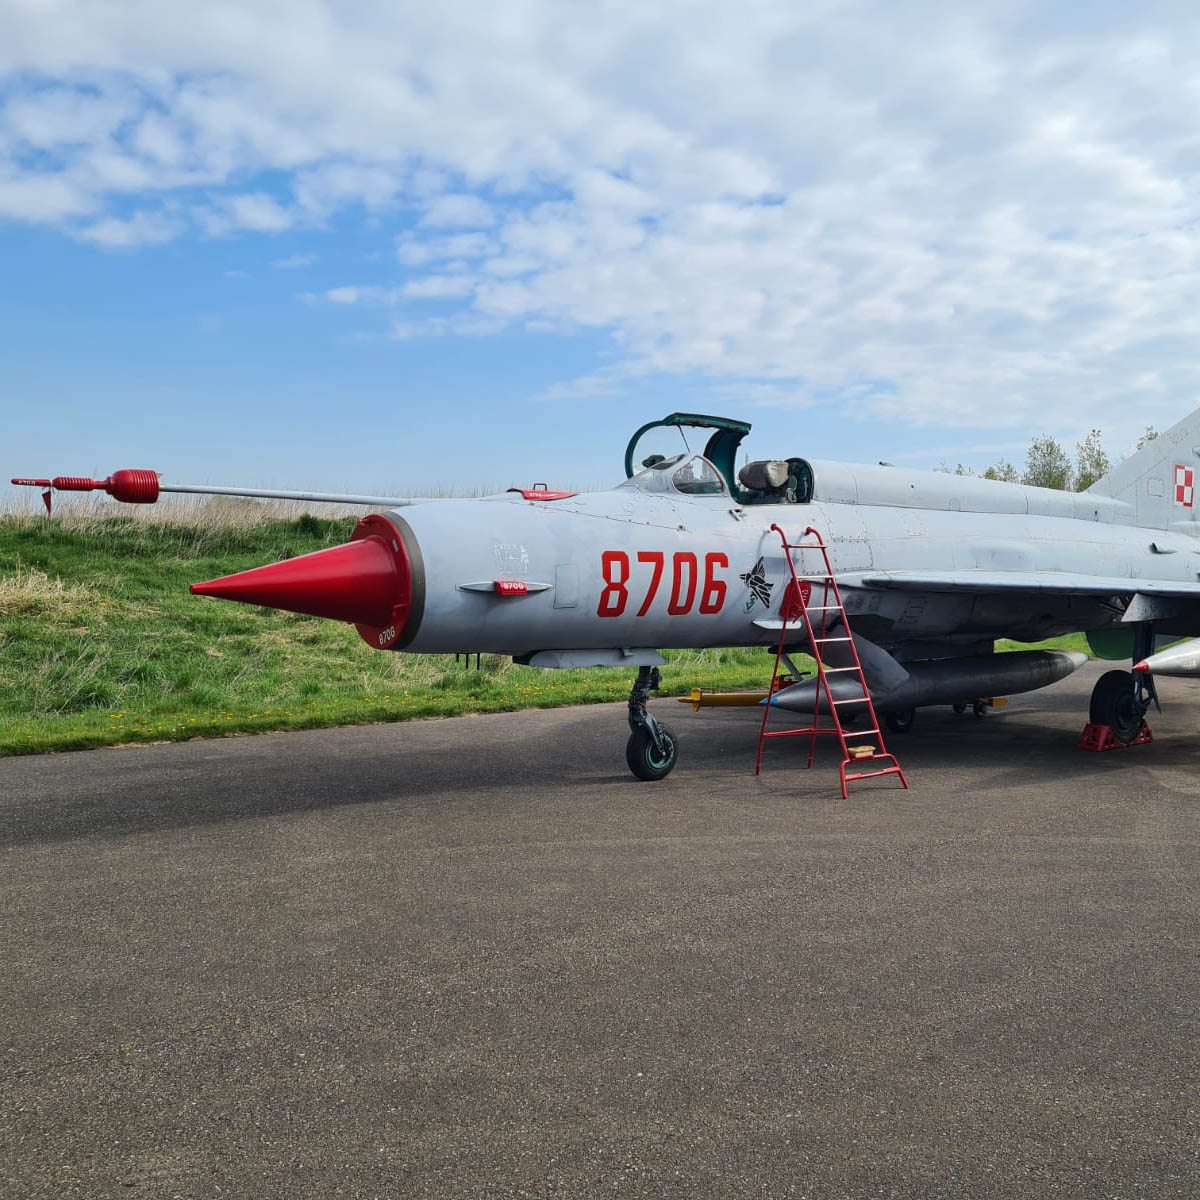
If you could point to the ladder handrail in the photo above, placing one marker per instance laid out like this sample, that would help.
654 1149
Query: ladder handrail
793 598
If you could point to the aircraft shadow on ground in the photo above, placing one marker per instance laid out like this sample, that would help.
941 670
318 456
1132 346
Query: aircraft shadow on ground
1032 743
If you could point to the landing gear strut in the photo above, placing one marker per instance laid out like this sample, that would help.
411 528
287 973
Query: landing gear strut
1121 699
651 751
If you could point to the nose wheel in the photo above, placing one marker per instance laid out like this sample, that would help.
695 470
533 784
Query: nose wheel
647 760
651 751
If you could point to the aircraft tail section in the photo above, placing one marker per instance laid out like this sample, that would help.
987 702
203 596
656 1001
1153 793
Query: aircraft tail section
1161 482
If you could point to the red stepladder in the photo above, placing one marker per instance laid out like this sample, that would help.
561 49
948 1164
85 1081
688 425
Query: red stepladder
832 629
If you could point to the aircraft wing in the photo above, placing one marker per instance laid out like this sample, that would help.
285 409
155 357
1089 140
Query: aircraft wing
1062 582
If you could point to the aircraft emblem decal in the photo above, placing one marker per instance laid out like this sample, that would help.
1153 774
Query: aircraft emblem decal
756 580
1185 486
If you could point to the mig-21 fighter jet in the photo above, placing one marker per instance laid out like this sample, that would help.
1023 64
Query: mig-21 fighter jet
933 569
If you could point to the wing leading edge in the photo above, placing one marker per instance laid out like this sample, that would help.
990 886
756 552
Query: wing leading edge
1061 582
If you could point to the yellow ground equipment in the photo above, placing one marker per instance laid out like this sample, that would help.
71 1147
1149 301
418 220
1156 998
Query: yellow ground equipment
703 698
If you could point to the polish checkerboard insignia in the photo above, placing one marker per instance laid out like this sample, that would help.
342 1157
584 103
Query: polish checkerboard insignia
1185 486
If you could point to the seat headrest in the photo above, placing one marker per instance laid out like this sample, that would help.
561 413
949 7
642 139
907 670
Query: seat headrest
763 476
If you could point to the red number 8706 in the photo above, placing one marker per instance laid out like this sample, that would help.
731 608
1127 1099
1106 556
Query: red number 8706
685 582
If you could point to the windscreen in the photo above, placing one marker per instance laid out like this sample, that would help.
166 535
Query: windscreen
697 477
684 474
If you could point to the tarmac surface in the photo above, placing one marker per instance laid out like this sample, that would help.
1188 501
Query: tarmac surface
476 958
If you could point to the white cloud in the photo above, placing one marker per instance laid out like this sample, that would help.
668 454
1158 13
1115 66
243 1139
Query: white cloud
461 325
418 252
986 218
345 295
141 229
585 387
375 296
438 287
327 188
46 198
52 117
458 211
258 212
293 262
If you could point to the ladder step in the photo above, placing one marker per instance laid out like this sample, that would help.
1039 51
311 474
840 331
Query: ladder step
833 639
874 774
856 700
836 670
858 732
824 607
774 733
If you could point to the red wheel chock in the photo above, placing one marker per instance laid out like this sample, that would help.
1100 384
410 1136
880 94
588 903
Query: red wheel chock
1101 737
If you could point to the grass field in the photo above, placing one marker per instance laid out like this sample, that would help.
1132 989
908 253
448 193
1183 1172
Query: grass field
102 644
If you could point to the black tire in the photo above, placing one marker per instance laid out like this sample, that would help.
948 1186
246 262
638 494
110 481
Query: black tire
1115 704
644 760
979 708
902 720
959 709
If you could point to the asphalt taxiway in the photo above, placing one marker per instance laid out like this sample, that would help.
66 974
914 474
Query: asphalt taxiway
476 958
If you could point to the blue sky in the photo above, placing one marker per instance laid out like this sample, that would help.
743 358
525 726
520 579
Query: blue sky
396 247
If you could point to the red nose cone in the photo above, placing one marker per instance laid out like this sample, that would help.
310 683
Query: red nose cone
366 581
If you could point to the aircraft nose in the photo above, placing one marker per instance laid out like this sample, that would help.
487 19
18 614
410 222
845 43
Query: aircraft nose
366 582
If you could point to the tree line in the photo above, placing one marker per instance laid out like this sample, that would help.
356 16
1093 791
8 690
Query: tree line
1048 464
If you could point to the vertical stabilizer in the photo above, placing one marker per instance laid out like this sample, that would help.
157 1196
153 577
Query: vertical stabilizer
1162 480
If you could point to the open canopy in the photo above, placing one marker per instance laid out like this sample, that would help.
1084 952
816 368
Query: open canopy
721 450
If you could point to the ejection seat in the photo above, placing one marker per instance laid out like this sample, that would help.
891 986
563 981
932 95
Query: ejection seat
769 481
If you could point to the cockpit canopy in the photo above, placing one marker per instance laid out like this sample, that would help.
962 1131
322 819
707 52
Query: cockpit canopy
685 475
713 473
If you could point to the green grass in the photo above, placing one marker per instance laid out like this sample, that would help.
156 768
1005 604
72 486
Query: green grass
1071 641
102 644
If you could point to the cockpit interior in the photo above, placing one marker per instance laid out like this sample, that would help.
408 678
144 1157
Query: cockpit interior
776 481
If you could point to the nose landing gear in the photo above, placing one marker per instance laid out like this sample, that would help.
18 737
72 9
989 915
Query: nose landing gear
651 751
